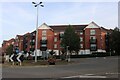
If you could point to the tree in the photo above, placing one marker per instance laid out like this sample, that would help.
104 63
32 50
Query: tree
9 50
71 39
115 41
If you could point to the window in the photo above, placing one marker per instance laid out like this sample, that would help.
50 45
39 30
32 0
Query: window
93 46
55 39
43 45
44 32
81 45
33 40
81 33
92 32
92 37
55 45
61 34
55 33
81 39
44 38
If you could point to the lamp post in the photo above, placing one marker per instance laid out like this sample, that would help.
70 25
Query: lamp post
36 43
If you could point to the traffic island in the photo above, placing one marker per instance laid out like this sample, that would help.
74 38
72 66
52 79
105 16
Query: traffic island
38 63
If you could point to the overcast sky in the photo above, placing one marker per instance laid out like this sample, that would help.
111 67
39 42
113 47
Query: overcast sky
20 17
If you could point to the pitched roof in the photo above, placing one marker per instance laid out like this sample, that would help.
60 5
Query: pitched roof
44 26
92 25
62 27
107 30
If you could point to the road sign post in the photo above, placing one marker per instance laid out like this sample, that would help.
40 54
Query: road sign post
11 58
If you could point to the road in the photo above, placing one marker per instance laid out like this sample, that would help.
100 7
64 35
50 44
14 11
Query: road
83 67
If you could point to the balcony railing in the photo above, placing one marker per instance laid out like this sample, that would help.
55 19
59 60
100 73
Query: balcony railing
43 41
93 48
93 41
43 45
43 48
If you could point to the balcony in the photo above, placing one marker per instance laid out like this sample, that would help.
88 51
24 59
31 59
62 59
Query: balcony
93 47
32 43
93 41
43 47
43 41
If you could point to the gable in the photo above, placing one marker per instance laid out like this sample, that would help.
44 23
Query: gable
92 25
44 26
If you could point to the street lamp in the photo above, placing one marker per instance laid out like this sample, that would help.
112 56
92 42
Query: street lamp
36 43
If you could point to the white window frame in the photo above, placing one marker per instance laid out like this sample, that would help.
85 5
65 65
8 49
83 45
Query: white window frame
44 45
55 39
92 32
81 45
81 32
93 45
44 38
55 45
44 32
81 39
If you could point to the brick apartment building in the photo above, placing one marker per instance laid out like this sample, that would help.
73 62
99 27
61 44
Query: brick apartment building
92 39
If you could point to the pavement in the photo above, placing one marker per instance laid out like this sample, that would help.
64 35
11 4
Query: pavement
98 67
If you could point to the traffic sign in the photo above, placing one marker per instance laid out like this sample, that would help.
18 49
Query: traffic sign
11 58
16 58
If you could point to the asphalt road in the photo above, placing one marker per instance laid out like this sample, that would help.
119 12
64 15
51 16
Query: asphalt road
83 67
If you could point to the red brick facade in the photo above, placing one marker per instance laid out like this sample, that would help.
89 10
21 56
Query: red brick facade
92 38
7 43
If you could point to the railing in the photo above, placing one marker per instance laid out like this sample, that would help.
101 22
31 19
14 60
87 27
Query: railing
93 48
93 41
43 41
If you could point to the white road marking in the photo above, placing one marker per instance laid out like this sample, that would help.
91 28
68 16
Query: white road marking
86 76
89 74
112 73
93 77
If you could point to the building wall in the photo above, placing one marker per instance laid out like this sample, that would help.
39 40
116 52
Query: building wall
49 37
52 44
7 43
